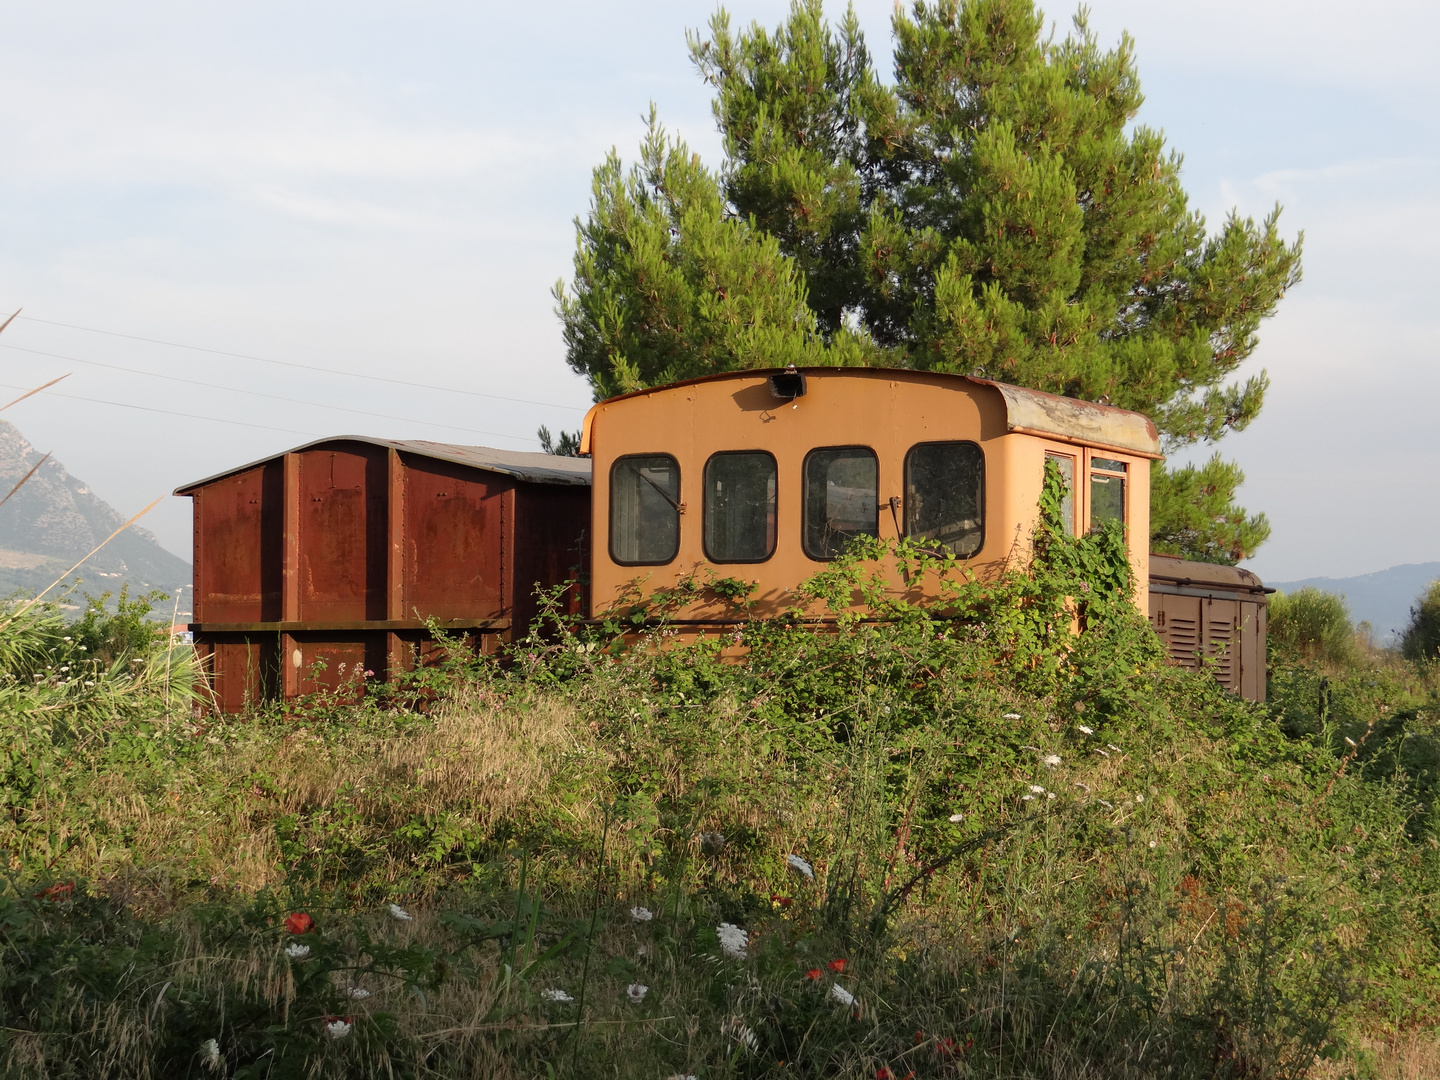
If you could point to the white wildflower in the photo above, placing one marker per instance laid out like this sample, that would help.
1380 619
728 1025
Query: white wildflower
1152 843
643 951
559 996
641 914
1011 716
357 993
1139 798
1112 746
1051 760
1049 795
1102 753
69 639
840 994
636 992
1037 789
956 818
1086 730
398 912
799 865
1106 805
733 940
210 1053
338 1029
297 952
1027 798
89 682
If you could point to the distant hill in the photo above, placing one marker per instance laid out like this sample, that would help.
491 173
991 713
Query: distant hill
53 520
1382 599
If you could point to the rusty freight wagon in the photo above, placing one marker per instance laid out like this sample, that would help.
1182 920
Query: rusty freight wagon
316 566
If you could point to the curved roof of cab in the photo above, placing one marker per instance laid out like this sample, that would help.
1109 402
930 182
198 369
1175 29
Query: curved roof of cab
1029 412
529 467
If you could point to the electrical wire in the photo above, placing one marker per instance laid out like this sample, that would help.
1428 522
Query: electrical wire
303 367
259 393
171 412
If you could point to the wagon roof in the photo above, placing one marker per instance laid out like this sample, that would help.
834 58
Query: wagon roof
532 468
1031 412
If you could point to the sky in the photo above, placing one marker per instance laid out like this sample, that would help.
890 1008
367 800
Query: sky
240 227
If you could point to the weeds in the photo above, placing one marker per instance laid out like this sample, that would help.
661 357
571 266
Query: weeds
967 841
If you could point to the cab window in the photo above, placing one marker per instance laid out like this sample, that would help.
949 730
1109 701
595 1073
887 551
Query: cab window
1108 478
841 498
740 506
945 496
644 509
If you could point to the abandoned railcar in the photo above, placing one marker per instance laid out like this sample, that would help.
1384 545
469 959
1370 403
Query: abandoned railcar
328 560
766 476
316 566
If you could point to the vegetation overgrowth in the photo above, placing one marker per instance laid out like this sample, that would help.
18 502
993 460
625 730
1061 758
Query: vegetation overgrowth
993 836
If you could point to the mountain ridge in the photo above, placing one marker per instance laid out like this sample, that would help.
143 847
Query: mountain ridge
51 522
1382 598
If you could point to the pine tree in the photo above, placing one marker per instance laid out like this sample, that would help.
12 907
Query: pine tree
992 212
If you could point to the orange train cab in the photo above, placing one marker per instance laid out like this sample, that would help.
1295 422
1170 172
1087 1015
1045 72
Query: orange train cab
767 475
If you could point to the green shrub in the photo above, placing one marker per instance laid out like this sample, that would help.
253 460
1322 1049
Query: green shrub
1422 637
1313 625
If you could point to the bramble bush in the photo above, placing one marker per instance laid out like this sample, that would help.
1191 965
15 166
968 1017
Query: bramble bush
988 835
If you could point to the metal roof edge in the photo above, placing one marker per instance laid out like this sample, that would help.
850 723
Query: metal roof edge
423 448
1027 411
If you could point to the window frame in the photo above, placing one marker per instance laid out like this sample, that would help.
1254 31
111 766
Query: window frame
705 508
1125 477
679 505
805 494
984 487
1076 457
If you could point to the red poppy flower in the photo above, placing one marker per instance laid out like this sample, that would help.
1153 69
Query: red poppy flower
299 922
813 974
783 901
882 1073
919 1037
837 966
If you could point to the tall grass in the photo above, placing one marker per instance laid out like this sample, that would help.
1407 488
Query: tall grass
1033 854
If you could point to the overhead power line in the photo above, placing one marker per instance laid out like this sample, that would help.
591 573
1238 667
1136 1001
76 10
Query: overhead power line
303 367
172 412
259 393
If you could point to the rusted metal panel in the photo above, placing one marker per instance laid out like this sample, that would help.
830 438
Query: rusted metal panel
237 553
1215 613
551 546
343 534
452 541
243 671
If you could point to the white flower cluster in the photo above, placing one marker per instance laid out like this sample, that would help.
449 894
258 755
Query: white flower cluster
799 865
558 996
297 952
641 914
398 912
636 992
338 1029
733 940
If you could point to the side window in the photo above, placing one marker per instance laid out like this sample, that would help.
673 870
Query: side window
644 509
945 495
842 492
1107 490
1066 465
740 506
